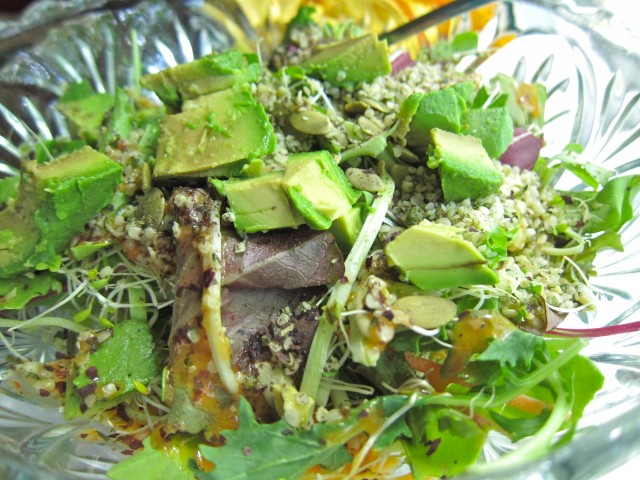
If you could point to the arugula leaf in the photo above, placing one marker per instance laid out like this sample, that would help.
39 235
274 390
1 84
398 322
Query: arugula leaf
399 429
462 43
497 243
583 379
125 360
150 464
517 348
513 94
612 206
446 442
120 122
520 428
77 91
16 292
255 450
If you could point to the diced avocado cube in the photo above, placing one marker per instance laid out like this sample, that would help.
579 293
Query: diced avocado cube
466 171
434 256
261 204
19 237
214 137
55 201
465 90
86 115
318 188
205 75
438 109
493 126
347 228
361 59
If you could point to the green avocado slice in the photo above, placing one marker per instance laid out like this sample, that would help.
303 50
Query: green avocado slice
208 74
361 59
214 136
434 256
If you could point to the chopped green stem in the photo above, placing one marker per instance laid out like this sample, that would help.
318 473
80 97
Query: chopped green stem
341 291
567 251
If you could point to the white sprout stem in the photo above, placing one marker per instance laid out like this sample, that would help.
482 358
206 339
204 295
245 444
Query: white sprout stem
72 295
11 349
342 289
211 249
43 322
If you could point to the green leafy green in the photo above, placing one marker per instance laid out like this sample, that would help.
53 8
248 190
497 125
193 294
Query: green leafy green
77 91
513 95
128 356
517 348
249 451
497 243
150 464
520 427
303 18
445 442
49 149
612 206
120 123
16 292
465 42
8 188
125 360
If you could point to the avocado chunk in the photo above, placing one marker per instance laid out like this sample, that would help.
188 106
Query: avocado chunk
84 109
109 366
215 136
361 59
466 171
19 237
205 75
434 256
346 228
493 126
260 204
438 109
55 200
318 188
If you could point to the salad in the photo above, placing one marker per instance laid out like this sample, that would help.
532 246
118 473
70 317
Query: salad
325 264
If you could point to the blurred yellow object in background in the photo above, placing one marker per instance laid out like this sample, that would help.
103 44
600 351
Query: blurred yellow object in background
264 21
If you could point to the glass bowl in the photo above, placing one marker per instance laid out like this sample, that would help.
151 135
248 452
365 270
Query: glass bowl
583 51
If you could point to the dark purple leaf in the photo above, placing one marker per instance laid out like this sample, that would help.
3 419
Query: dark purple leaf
524 149
287 259
401 60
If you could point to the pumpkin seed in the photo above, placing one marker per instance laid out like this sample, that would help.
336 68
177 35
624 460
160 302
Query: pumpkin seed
356 108
311 122
151 207
376 105
146 177
408 156
365 180
370 126
423 311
